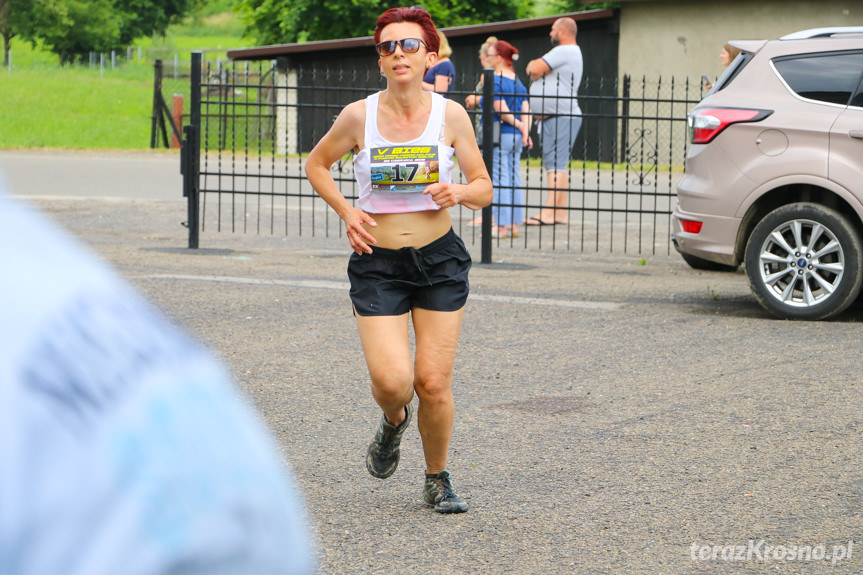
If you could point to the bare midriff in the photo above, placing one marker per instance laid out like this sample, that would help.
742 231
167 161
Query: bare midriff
414 229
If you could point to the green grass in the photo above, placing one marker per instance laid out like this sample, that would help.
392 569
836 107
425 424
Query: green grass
84 107
26 57
75 108
579 165
183 46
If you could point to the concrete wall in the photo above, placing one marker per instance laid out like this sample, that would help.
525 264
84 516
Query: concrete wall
683 38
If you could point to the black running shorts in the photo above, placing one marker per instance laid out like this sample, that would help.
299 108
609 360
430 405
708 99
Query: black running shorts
393 282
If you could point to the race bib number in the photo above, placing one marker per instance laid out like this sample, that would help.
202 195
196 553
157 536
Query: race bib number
404 169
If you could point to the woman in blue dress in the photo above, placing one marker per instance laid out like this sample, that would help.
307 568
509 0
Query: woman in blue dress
512 112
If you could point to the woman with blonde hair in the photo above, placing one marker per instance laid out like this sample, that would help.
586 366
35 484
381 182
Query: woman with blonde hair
441 76
483 54
472 101
728 54
726 57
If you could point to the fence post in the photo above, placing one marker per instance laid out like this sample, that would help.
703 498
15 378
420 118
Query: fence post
191 154
177 114
157 90
487 155
624 117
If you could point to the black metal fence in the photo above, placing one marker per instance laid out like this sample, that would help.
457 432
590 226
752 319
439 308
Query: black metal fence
251 125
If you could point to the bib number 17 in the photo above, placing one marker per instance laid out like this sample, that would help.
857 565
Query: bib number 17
399 177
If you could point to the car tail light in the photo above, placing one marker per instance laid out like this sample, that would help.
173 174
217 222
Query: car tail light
707 123
691 226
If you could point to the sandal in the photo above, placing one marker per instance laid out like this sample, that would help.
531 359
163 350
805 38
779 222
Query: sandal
535 221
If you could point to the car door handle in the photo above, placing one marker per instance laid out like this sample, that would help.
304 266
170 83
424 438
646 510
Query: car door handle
856 134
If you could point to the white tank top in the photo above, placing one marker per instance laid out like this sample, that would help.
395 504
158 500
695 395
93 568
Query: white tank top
392 175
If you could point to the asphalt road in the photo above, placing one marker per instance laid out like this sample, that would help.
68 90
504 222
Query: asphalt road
613 415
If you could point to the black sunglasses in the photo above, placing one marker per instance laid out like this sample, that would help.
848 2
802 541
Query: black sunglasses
409 46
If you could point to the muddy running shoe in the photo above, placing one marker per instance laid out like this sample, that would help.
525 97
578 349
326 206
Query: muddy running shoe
438 493
382 457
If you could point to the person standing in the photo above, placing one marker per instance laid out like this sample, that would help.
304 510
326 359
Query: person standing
555 79
408 264
472 101
441 76
726 57
512 113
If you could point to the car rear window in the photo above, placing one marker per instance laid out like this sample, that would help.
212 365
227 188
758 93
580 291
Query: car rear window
828 78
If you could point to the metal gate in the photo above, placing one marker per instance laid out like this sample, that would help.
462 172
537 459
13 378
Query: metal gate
251 125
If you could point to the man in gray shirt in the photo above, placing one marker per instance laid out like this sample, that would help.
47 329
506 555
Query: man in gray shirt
555 79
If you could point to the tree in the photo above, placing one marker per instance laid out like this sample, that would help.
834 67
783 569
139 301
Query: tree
579 6
282 21
8 10
74 28
70 28
5 30
147 17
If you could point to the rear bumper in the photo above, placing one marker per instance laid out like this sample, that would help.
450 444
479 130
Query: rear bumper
710 192
715 242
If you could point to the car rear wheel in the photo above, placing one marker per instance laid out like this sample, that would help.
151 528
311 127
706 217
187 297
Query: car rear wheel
804 261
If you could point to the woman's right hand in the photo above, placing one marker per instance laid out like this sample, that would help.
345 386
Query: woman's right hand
360 238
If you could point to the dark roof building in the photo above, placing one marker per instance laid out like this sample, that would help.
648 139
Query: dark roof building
329 74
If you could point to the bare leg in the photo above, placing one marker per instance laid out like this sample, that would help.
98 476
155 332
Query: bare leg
556 198
387 350
436 341
559 184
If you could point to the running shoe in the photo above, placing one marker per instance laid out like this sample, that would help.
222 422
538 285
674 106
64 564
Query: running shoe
382 457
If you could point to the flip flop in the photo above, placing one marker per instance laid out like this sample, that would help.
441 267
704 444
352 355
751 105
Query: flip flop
535 221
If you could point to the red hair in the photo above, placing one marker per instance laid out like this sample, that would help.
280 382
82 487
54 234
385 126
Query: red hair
414 15
506 51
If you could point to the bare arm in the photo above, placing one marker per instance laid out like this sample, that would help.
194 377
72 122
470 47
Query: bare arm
477 193
441 84
526 121
506 116
472 100
345 134
537 68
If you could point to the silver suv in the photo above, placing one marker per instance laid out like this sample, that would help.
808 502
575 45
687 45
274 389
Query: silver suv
774 175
